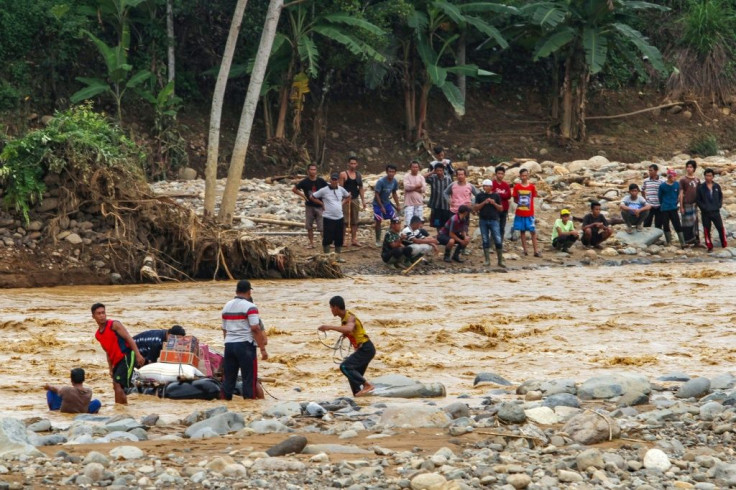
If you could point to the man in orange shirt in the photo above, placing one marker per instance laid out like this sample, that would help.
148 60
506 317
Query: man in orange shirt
524 194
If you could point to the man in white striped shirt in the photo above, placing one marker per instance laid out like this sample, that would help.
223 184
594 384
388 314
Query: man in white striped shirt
650 191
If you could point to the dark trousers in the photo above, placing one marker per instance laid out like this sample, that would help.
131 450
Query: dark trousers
564 242
654 216
333 231
502 216
240 356
396 253
355 365
713 218
671 216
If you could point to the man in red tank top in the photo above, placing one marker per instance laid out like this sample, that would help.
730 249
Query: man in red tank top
122 353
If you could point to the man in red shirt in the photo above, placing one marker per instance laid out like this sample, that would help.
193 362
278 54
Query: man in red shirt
122 353
524 194
504 191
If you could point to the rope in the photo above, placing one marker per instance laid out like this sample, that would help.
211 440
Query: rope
338 351
265 390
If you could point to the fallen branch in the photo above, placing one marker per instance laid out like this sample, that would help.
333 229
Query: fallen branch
281 233
291 224
641 111
504 434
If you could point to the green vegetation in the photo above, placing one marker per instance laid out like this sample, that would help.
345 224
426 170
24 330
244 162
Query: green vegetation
704 145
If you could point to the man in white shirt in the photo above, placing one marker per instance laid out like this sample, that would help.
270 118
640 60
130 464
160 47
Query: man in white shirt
417 239
332 198
634 209
414 185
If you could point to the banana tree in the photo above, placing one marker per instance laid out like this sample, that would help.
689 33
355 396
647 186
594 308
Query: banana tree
582 34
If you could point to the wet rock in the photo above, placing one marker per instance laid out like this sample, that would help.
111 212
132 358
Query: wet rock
490 378
284 409
591 428
14 440
674 377
150 420
42 425
457 410
127 453
611 385
398 386
221 424
561 400
294 444
556 386
314 410
723 382
511 413
695 388
656 459
413 415
268 426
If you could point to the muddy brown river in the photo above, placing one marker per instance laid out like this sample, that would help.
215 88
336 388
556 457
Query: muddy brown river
556 322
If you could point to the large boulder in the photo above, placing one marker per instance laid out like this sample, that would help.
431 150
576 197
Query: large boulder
695 388
612 385
640 239
414 415
592 428
284 409
492 378
398 386
14 440
221 424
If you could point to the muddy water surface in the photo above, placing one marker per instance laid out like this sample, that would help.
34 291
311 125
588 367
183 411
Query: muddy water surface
523 325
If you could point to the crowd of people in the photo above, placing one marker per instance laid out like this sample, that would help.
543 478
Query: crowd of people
663 203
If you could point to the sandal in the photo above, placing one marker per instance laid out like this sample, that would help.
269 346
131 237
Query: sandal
537 254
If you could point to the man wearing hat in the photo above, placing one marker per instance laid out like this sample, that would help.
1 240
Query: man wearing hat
417 239
489 208
241 328
332 198
563 232
634 209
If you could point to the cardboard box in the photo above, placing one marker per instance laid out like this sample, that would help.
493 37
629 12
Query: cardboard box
175 357
179 343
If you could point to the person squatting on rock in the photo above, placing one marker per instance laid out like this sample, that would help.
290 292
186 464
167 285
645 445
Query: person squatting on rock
332 199
76 398
352 181
312 211
650 192
243 332
439 205
385 188
710 200
688 205
455 234
393 252
524 194
414 185
417 239
122 352
564 234
668 195
488 206
595 227
355 365
634 209
150 342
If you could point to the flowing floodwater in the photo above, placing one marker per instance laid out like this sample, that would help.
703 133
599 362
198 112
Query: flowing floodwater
546 323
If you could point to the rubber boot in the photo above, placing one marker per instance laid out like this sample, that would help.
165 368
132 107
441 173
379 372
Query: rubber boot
487 255
456 256
499 254
681 237
668 238
325 249
339 257
447 254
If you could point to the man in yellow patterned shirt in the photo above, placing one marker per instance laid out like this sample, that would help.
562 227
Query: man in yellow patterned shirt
354 366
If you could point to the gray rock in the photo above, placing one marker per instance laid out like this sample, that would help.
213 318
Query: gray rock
724 381
73 238
556 386
511 413
398 386
656 459
204 433
414 415
14 440
633 398
50 440
588 458
566 476
561 400
150 420
681 377
640 239
48 204
294 444
40 426
94 471
611 385
127 453
268 426
428 481
315 410
223 423
591 428
284 409
278 464
695 388
529 385
334 449
96 457
119 436
519 480
709 410
490 378
457 410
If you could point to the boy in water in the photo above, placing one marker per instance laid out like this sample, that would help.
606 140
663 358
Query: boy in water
354 366
76 398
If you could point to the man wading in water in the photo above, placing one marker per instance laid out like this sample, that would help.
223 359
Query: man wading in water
122 353
354 366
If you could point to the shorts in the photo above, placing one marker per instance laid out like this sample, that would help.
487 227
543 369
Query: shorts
313 214
445 239
351 211
595 238
123 370
525 223
379 216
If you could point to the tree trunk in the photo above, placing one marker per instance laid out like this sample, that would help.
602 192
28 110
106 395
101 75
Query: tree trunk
267 119
423 101
580 96
567 101
284 101
555 88
213 143
461 77
409 99
230 196
170 39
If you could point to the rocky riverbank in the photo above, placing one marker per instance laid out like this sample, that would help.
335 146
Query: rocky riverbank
620 430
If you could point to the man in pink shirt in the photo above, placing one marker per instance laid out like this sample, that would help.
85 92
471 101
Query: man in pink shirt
414 185
461 192
503 189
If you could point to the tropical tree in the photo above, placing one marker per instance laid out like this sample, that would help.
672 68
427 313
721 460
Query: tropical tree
582 35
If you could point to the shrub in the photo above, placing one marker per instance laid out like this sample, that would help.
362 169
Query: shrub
76 142
704 145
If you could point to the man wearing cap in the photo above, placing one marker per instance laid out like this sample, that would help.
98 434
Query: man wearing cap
313 212
385 189
332 199
564 234
634 209
668 194
393 251
414 185
150 342
489 208
417 239
241 328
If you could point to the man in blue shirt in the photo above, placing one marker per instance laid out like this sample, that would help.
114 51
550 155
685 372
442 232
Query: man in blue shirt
669 194
386 187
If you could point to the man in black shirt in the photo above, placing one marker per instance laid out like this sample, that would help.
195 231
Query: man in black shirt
595 227
352 181
313 211
151 342
489 208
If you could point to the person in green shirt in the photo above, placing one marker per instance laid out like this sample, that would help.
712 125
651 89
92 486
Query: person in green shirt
563 232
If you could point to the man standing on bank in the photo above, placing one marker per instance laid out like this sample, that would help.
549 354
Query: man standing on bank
122 353
332 199
355 365
313 212
352 181
710 201
688 204
241 328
